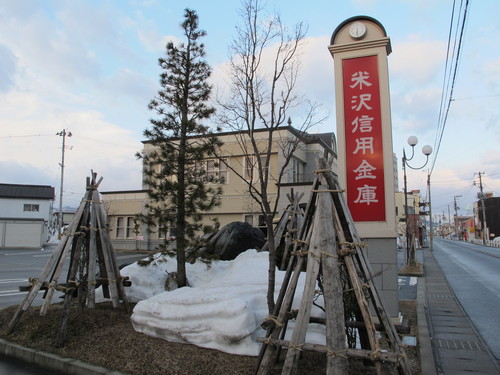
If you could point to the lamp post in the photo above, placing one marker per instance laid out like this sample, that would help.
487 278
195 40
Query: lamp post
426 150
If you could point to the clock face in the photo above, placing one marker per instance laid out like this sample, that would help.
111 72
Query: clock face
357 30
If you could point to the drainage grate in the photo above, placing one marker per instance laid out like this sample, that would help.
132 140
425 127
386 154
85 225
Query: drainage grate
441 296
458 344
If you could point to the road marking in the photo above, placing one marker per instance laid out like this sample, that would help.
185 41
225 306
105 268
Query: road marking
11 294
483 252
6 281
7 293
16 254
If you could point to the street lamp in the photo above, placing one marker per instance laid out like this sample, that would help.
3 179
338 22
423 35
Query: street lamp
426 150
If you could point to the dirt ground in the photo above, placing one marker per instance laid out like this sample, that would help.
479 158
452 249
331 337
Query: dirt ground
104 336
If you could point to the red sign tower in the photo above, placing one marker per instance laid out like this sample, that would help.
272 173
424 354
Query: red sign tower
359 47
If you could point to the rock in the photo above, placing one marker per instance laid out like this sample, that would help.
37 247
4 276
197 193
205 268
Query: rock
234 239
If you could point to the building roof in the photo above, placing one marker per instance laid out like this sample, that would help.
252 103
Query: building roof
327 140
27 191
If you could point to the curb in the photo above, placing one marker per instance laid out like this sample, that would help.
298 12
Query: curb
426 352
52 361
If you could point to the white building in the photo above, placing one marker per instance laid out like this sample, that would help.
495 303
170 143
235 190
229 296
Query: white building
25 212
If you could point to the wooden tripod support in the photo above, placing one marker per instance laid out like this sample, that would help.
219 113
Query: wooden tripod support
92 264
330 248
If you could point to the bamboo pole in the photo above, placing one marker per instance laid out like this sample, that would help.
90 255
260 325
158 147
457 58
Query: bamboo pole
351 233
54 257
114 266
313 267
389 357
332 293
293 269
91 278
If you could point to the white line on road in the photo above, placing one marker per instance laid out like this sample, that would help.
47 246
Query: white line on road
7 281
7 293
11 294
16 254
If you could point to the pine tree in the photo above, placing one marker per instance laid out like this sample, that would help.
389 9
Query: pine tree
174 167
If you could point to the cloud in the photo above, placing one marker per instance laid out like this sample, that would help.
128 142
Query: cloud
8 62
44 48
15 172
417 62
129 85
415 110
31 146
316 76
492 71
315 81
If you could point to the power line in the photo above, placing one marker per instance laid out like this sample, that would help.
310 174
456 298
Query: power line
26 136
450 76
477 97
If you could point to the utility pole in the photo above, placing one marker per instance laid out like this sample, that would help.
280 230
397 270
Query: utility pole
481 196
430 210
449 216
456 214
62 134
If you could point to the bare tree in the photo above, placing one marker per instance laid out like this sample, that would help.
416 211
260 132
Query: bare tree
263 72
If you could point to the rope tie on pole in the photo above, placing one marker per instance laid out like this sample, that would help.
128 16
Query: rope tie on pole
300 253
374 355
296 347
274 319
340 353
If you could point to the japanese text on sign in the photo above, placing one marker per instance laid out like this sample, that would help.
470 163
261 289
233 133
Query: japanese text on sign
363 134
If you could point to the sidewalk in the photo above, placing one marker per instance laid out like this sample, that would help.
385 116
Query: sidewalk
455 344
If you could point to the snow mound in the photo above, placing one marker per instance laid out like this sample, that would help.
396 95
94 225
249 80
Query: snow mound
222 309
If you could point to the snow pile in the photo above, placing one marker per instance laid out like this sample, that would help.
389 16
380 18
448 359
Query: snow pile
222 309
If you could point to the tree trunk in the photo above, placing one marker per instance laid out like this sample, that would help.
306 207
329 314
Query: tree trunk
181 212
272 263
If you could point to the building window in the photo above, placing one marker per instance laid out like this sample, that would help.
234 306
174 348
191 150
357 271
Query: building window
251 171
120 227
214 170
31 208
249 219
169 232
297 171
126 227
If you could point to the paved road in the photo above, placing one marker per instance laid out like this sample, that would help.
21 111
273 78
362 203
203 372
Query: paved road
16 266
473 272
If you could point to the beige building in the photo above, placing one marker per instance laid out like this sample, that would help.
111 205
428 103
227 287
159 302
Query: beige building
237 169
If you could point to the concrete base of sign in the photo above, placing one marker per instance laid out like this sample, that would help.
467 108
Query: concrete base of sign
383 257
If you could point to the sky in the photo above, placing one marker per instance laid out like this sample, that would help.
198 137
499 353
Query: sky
91 67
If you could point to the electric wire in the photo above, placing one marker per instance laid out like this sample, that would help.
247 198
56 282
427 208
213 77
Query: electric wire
450 76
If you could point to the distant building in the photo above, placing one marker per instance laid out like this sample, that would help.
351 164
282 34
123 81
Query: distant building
492 208
127 232
68 214
465 227
25 213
